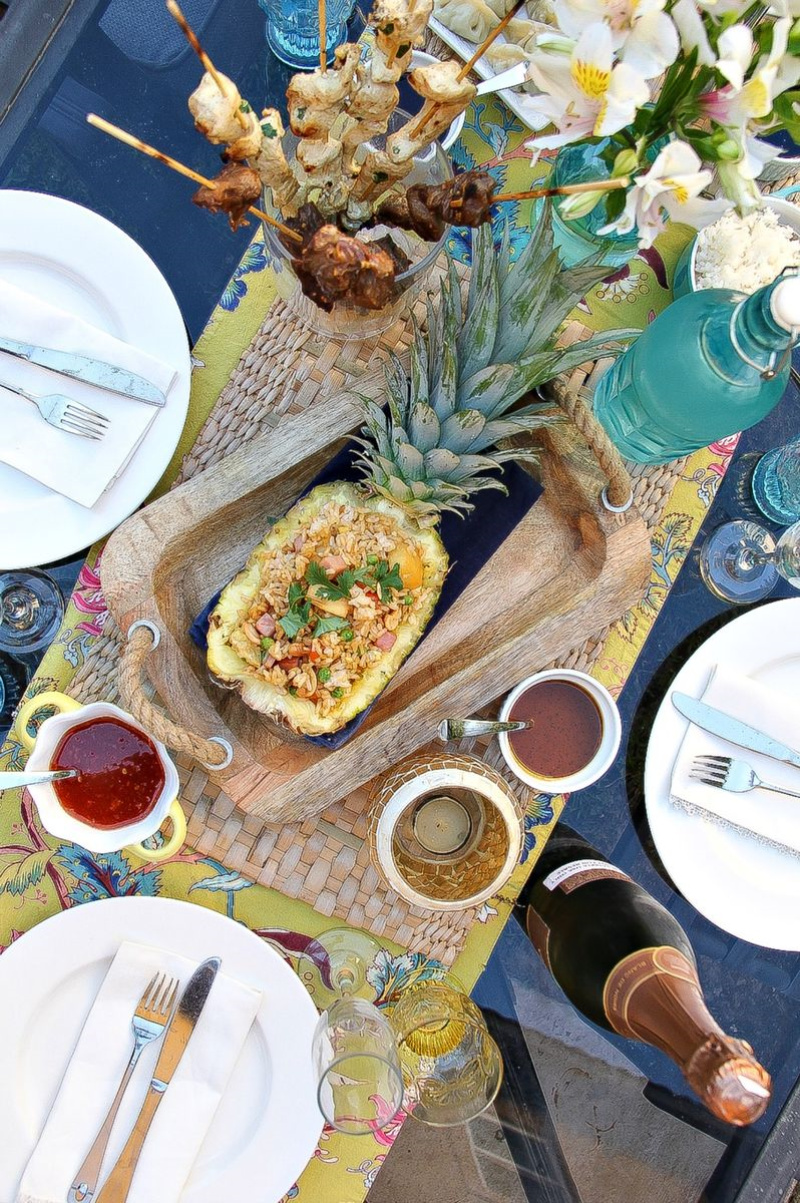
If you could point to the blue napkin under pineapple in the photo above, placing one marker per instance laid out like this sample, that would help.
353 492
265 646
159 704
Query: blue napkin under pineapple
470 541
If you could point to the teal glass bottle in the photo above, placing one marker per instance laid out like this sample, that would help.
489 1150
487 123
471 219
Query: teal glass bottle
713 363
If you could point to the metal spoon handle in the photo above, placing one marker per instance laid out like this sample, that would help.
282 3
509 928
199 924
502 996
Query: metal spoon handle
465 728
12 780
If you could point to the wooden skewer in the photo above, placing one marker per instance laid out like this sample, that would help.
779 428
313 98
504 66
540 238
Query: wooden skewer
131 140
484 46
565 190
191 37
323 37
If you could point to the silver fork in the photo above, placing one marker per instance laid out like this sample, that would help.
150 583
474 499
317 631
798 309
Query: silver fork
151 1017
64 413
735 775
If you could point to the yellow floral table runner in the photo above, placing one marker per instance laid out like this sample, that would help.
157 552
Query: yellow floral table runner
40 875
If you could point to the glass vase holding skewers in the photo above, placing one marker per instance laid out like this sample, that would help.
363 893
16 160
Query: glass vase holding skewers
347 320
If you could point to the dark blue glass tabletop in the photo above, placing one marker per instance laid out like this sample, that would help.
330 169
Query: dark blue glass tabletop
581 1116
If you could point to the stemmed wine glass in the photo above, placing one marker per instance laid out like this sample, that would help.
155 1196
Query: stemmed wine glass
741 562
359 1081
31 610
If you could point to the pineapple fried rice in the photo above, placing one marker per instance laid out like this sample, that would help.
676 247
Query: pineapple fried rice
374 577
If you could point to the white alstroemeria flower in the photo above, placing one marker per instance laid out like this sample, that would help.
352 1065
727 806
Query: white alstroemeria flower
585 95
735 47
670 189
734 107
693 32
641 32
739 178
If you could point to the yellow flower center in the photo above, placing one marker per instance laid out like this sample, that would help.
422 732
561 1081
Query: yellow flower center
755 98
592 80
680 190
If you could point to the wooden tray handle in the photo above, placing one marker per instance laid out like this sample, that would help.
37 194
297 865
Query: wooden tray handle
617 496
143 636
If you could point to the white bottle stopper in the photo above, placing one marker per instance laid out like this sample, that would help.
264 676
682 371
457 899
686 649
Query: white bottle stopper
785 303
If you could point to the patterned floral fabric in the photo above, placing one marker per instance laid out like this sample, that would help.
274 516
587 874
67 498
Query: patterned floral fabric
40 875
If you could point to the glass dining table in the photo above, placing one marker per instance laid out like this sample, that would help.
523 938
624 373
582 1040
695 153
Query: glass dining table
582 1116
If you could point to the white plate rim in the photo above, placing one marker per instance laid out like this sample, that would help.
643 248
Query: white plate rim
202 933
689 847
58 527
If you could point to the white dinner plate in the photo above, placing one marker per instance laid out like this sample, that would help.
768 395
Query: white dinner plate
747 889
73 258
517 100
268 1122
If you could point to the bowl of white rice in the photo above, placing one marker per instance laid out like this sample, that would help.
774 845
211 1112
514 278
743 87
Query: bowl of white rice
743 253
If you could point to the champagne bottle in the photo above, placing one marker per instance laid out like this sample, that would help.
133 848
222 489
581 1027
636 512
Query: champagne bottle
627 964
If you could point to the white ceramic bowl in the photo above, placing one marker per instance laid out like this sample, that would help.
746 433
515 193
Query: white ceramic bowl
64 826
685 279
603 757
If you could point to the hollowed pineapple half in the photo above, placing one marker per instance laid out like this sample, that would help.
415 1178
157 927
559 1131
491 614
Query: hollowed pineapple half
415 547
431 448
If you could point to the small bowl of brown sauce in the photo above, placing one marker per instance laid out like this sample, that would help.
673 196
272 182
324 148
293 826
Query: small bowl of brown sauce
574 735
124 785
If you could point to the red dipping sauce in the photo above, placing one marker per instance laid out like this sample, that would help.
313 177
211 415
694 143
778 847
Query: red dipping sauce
121 774
567 730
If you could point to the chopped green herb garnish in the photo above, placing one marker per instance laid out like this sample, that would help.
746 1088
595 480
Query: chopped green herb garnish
245 107
323 675
268 129
378 576
329 622
293 691
301 114
296 591
387 578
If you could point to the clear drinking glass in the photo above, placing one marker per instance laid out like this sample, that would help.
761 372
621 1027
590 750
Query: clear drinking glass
293 29
776 483
31 610
359 1082
740 562
452 1068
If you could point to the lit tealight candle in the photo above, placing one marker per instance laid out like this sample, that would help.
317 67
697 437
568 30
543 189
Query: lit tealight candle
442 825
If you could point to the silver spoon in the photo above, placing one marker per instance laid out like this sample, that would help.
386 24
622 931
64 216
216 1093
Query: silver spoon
466 728
13 780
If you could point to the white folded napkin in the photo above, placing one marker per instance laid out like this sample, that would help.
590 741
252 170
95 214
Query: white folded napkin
79 468
769 818
96 1066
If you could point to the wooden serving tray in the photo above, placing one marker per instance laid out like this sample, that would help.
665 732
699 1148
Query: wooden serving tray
567 570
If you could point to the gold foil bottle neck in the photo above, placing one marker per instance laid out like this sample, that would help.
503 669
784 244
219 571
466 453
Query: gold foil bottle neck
726 1075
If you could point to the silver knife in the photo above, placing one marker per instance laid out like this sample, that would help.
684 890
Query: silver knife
115 1188
93 371
717 722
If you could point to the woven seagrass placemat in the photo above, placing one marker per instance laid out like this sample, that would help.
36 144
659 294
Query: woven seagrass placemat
286 370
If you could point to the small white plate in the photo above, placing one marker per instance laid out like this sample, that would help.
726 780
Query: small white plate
747 889
71 257
518 102
268 1122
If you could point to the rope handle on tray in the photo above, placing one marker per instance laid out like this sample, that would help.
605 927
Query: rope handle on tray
617 495
143 637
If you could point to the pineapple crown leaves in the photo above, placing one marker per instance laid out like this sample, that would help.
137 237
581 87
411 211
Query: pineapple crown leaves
474 364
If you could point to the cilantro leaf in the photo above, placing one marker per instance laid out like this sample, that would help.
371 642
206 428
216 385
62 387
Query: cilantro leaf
325 587
296 593
329 622
387 579
293 622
